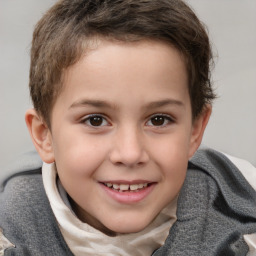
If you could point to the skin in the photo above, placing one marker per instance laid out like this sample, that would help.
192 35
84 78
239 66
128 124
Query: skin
144 131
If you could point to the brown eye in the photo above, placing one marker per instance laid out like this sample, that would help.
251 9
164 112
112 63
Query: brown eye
159 120
95 121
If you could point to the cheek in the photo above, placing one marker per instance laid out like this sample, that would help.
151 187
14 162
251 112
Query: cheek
172 150
77 164
76 155
171 155
174 171
174 168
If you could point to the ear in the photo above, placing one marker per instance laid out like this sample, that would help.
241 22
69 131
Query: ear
198 128
40 135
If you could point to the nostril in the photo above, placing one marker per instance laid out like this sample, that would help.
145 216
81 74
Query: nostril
130 165
118 163
128 152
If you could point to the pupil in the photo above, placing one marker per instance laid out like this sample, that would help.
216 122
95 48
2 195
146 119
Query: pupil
157 120
96 121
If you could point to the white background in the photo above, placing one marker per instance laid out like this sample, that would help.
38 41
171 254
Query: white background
232 28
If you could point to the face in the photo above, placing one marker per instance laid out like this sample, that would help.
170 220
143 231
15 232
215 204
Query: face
122 133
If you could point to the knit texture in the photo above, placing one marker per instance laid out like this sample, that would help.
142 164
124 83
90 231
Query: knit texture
27 219
216 207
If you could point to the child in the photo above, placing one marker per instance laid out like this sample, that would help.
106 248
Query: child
122 95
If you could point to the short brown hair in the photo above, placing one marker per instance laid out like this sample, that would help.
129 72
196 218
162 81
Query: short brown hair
60 37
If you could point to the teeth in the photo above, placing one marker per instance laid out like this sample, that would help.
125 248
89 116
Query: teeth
134 187
125 187
141 185
116 186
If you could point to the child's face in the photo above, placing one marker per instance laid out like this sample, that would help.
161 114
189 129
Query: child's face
124 120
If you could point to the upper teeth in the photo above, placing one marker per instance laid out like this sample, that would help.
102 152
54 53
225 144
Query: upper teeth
126 186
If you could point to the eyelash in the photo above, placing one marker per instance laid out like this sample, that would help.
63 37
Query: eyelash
90 117
166 119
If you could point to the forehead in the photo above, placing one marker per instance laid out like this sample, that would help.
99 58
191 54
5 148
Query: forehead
115 68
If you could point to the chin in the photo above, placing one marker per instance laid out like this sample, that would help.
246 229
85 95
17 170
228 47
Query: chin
126 227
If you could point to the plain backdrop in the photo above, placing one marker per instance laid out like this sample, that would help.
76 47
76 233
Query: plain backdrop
232 29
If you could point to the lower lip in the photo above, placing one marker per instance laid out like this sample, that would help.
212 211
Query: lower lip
128 197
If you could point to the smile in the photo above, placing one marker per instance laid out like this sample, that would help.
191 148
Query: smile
125 193
127 187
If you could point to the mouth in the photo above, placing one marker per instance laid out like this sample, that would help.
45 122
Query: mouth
127 187
128 192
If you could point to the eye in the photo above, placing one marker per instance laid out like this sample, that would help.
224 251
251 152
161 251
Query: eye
95 121
159 120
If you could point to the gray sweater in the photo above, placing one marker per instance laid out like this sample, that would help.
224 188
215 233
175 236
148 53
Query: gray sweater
216 207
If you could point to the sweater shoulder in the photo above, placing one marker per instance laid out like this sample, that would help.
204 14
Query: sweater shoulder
26 217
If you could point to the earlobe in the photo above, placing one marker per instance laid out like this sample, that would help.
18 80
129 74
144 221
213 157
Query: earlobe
198 128
40 135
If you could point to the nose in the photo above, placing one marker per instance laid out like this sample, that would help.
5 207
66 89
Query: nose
128 148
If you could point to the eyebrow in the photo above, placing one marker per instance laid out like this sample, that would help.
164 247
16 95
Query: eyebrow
165 102
105 104
94 103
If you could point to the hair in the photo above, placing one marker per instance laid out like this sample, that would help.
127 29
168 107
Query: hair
61 36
